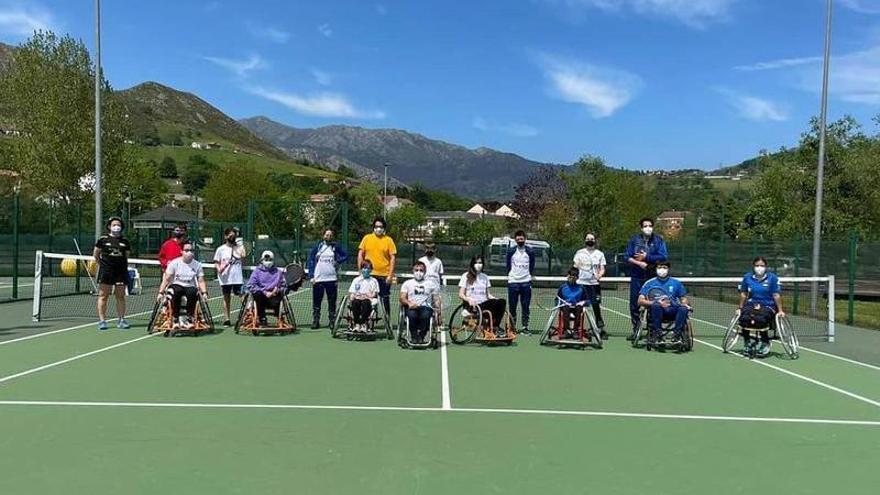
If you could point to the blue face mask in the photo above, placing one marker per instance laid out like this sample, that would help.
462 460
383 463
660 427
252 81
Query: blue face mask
365 272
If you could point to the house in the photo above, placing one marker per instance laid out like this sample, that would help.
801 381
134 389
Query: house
495 208
671 222
439 220
506 211
204 146
478 209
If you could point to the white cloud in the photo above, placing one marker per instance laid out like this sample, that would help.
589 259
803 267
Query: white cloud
381 9
754 108
322 77
779 64
863 6
21 22
241 68
694 13
325 30
268 33
514 129
603 91
331 105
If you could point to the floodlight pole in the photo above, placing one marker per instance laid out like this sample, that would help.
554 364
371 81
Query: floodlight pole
820 173
98 177
385 194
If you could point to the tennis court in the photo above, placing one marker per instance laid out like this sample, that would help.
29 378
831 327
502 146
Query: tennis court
125 412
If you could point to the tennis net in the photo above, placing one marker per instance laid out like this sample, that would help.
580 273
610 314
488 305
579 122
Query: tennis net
64 288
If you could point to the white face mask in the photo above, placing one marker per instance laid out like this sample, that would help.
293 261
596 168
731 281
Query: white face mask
267 263
116 230
663 272
419 275
478 267
760 270
647 230
379 230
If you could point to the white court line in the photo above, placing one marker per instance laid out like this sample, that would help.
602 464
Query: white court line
532 412
444 373
783 370
814 351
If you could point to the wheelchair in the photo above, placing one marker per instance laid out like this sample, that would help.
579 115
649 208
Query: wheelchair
162 319
468 325
664 338
571 332
780 329
374 330
247 322
404 336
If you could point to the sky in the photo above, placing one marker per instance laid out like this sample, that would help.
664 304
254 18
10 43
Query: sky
645 84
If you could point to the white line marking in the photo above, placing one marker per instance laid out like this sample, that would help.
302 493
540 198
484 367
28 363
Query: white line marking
74 358
533 412
444 373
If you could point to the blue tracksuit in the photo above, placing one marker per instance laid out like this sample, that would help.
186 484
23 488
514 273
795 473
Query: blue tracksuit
655 250
673 290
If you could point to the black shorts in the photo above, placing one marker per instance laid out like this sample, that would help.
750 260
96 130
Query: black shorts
231 289
113 276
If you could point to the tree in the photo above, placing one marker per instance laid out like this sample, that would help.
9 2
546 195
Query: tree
404 222
544 187
168 168
49 96
230 188
364 205
197 174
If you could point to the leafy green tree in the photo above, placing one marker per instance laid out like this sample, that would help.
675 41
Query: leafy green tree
230 188
197 174
168 168
404 222
364 205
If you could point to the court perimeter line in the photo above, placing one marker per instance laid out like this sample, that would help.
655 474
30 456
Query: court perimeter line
782 370
464 410
444 373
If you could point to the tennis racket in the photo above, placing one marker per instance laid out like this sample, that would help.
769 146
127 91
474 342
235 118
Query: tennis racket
294 276
656 294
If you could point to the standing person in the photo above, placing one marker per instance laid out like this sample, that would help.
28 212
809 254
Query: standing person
111 254
173 247
323 261
228 263
186 278
644 251
381 251
434 272
590 263
520 268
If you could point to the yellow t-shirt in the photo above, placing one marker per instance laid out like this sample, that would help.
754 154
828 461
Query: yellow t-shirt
379 251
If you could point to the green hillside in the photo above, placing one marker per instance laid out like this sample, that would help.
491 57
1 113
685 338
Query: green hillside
182 154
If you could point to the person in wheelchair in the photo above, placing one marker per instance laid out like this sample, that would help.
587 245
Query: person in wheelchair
420 296
574 297
760 301
474 290
267 286
186 278
665 299
363 294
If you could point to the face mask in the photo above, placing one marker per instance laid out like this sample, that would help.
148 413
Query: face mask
419 275
116 229
188 256
328 240
590 243
231 239
267 264
647 230
365 272
760 270
178 234
663 272
520 243
379 230
478 267
429 254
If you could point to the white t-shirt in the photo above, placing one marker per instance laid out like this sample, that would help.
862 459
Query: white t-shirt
231 255
325 264
433 269
519 267
420 293
185 274
588 263
364 286
477 291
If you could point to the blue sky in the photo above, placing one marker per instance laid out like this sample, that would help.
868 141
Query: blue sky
645 84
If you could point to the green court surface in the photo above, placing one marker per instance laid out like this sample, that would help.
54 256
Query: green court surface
123 412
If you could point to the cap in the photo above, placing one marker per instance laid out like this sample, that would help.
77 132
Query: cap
267 255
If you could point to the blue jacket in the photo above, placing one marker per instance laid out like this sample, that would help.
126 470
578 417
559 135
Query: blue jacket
573 294
655 249
339 255
529 251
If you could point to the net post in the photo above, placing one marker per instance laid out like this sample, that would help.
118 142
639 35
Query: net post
831 298
38 284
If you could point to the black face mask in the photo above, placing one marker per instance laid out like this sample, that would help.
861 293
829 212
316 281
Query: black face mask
429 254
230 240
520 243
179 235
591 243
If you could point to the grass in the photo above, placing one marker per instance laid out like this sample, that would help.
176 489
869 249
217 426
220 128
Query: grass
181 155
866 314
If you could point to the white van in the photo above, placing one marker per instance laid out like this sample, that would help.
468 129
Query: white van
499 246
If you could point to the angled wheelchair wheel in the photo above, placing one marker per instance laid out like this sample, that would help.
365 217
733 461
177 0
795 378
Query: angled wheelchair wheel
550 327
154 316
787 337
242 313
463 327
386 320
340 312
205 310
595 334
731 335
687 337
640 332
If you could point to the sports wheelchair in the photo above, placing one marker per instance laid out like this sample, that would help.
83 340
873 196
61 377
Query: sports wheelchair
468 324
779 329
162 317
564 330
373 329
285 321
404 336
664 337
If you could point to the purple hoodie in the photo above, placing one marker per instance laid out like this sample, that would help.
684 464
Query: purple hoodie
264 280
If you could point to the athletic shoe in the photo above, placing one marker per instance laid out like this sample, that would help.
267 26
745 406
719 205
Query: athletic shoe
764 349
122 324
188 324
227 323
316 324
264 322
631 334
604 335
749 347
526 330
102 325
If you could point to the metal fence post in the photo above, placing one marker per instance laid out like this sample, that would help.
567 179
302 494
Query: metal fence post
16 218
851 277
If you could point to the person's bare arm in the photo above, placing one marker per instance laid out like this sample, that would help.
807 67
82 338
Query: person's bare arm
643 301
391 273
203 287
778 299
96 253
742 299
404 300
361 255
166 281
601 272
